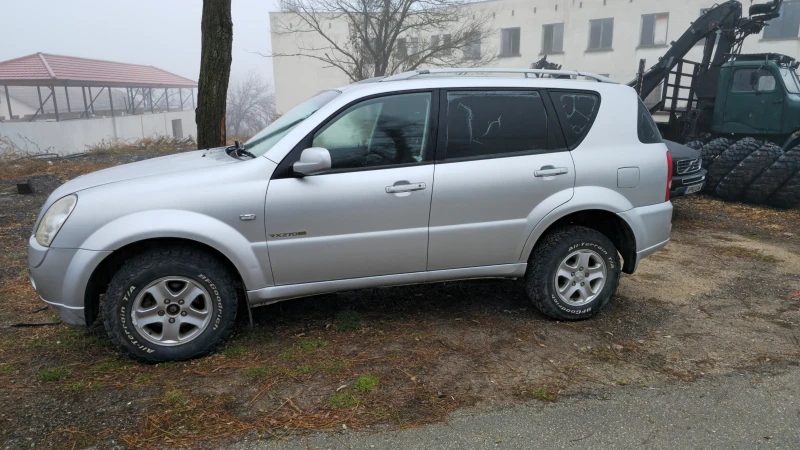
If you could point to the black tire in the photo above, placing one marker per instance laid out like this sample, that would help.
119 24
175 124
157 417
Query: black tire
714 148
146 268
555 247
730 158
774 177
735 184
788 195
696 145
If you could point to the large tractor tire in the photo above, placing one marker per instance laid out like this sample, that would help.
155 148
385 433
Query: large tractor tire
788 195
774 177
730 158
695 145
736 182
714 148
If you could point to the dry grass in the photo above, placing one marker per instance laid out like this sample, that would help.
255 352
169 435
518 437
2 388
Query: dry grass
16 163
741 252
166 144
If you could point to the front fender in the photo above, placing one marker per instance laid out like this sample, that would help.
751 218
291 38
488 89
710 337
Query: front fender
249 258
584 198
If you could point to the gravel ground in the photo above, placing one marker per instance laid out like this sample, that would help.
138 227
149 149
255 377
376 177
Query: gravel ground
733 411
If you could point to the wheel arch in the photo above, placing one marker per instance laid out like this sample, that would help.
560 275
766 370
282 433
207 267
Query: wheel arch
102 274
610 224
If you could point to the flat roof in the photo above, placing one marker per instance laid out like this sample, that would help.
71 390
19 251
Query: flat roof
45 69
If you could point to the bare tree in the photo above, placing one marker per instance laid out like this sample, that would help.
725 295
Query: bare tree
215 69
251 105
388 36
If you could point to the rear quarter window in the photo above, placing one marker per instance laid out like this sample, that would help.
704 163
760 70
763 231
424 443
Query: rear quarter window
576 112
646 127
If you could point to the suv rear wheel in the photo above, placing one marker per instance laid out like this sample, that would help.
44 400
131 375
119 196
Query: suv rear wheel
170 304
572 274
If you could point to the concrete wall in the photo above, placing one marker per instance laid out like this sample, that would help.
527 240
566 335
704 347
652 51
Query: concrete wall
298 78
72 136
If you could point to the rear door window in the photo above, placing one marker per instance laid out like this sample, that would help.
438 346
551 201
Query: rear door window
495 123
577 112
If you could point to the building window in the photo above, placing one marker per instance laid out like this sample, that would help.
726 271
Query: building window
412 46
553 38
787 25
601 34
654 29
510 42
441 42
473 48
407 47
402 48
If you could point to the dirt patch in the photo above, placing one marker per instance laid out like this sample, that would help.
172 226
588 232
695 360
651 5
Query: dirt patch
723 296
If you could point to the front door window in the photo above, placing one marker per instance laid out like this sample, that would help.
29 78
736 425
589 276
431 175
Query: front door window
383 131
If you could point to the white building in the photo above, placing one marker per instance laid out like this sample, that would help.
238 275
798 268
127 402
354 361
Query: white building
62 104
607 37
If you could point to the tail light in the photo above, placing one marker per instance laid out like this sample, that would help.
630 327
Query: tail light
669 176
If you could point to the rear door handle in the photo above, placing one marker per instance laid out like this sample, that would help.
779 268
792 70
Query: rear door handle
550 172
398 188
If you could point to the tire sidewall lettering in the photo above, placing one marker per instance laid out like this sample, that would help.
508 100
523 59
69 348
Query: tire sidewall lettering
125 314
609 257
127 297
217 300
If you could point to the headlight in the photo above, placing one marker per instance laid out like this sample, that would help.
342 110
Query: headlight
54 218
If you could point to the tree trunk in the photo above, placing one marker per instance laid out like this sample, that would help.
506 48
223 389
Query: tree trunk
215 70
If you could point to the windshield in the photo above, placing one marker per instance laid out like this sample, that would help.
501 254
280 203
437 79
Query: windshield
274 132
790 80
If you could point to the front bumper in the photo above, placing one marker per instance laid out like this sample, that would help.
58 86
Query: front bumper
681 183
60 277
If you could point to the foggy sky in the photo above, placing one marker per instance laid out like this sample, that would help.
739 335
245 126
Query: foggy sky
161 33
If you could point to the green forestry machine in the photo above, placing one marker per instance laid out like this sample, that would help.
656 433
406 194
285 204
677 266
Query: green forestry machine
742 112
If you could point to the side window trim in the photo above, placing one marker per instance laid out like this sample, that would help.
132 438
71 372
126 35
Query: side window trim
554 136
563 125
284 169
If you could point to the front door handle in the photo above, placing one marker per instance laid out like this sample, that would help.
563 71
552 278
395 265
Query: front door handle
398 188
550 171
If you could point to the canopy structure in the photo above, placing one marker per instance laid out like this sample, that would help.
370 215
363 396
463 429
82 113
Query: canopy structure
51 84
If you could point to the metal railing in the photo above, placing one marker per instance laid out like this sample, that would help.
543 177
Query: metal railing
526 72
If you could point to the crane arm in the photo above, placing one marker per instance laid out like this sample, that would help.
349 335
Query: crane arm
725 19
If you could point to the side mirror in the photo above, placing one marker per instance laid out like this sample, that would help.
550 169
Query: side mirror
754 79
313 161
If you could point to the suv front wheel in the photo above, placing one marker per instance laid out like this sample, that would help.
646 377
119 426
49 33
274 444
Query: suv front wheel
572 273
168 304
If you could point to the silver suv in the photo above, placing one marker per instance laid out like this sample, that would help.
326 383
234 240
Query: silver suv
414 178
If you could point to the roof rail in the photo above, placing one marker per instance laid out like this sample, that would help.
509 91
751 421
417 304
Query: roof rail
526 72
